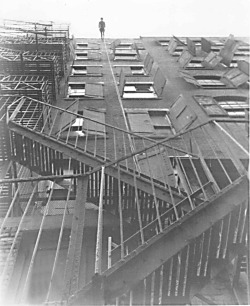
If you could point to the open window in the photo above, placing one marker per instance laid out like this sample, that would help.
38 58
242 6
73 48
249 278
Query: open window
86 70
82 90
142 90
87 45
232 106
136 69
125 55
151 122
211 81
130 69
235 106
163 42
87 55
210 106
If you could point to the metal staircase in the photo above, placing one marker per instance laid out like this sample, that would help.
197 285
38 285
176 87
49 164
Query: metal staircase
170 192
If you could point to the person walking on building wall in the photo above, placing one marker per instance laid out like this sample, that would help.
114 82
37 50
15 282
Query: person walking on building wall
102 28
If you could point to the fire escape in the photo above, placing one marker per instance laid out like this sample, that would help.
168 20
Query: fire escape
158 233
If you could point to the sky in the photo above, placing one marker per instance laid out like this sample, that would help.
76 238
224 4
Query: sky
135 18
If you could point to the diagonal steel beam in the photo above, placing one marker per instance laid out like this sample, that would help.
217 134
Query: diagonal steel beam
147 258
127 177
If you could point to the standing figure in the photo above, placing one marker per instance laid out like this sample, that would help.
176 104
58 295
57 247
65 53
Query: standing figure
102 28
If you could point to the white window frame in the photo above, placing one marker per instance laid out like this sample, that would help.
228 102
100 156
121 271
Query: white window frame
76 92
140 69
130 91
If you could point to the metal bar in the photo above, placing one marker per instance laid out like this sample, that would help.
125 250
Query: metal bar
71 272
58 244
98 254
216 155
231 137
138 209
36 246
153 190
125 131
120 213
204 165
10 208
109 252
18 231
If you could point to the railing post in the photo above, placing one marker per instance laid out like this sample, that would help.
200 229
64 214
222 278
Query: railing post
98 254
109 252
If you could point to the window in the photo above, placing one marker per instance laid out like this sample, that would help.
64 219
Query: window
235 106
164 42
86 70
131 69
82 45
210 106
76 90
125 55
86 45
210 82
154 122
139 90
142 90
232 106
80 55
125 46
205 81
87 55
80 89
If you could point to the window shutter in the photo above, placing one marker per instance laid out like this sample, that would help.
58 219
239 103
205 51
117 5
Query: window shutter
206 45
94 90
227 52
172 46
182 114
146 60
188 78
159 82
94 70
115 43
160 166
185 58
191 46
149 63
95 126
235 77
67 119
211 60
177 108
243 66
94 56
122 82
140 122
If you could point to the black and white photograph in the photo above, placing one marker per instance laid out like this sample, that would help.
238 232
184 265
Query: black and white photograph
124 152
